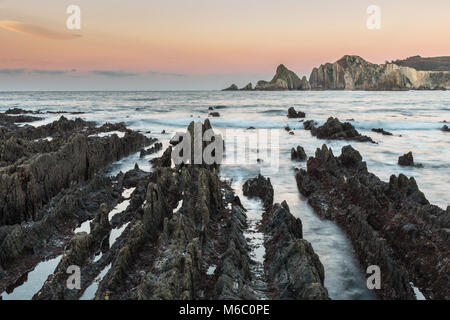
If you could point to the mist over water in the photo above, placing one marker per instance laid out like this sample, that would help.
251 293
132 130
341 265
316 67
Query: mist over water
414 118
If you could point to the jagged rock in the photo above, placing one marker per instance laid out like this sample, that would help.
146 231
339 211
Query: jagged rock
248 87
165 160
214 114
284 79
290 262
309 124
29 185
406 160
233 87
391 224
294 114
20 111
19 240
355 73
260 187
333 129
7 119
81 247
298 154
382 131
155 148
445 128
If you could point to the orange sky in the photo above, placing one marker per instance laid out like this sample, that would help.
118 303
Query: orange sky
202 38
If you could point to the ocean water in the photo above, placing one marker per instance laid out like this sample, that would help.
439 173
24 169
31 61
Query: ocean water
414 117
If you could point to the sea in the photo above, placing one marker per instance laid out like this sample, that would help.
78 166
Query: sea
415 119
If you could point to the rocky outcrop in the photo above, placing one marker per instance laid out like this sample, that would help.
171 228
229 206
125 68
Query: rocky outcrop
260 187
355 73
248 87
165 160
333 129
446 128
80 248
291 265
153 149
27 186
309 124
406 159
284 79
190 220
233 87
294 114
298 154
382 131
391 225
425 63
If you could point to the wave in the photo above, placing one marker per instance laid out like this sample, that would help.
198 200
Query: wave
236 123
397 125
144 99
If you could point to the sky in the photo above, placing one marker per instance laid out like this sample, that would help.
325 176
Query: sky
203 44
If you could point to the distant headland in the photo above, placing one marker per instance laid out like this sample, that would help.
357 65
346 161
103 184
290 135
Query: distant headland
354 73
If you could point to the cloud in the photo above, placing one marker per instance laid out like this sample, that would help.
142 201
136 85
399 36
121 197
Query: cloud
35 71
167 74
49 72
36 31
12 71
114 73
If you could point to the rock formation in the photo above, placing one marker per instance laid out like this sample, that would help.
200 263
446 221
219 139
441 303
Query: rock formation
284 79
291 266
248 87
298 154
390 224
260 187
425 64
179 223
233 87
333 129
406 159
294 114
382 131
355 73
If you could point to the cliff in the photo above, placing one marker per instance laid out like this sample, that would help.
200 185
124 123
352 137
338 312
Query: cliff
425 64
355 73
284 79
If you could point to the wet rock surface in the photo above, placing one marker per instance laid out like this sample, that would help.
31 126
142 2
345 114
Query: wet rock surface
260 187
333 129
382 131
50 186
295 114
298 154
406 160
291 267
391 225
